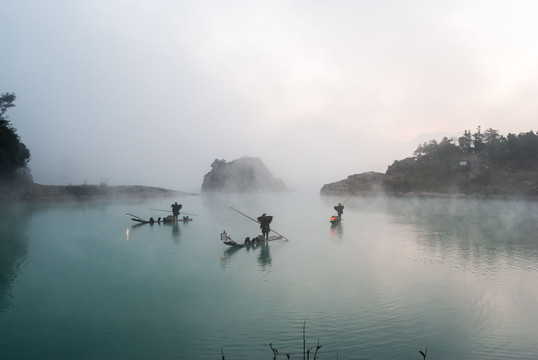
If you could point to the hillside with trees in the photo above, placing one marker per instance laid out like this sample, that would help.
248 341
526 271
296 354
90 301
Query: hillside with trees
14 155
480 163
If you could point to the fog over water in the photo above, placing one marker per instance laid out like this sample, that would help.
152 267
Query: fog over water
150 93
458 276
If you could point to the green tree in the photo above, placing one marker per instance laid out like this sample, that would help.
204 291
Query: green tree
434 151
478 141
6 101
494 143
465 142
492 136
14 154
447 149
524 150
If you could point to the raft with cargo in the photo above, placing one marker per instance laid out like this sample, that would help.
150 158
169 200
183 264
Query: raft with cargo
165 220
227 240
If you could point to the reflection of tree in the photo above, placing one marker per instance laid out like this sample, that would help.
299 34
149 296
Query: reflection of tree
13 251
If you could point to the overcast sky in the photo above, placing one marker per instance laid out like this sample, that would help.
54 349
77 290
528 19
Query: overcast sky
151 92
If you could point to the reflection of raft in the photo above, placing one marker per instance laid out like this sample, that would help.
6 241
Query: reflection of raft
335 219
227 240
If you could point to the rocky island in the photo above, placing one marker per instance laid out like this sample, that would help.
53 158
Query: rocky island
246 174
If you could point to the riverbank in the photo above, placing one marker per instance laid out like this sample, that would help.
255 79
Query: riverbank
503 186
39 192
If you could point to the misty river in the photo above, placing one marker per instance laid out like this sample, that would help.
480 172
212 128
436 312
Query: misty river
81 280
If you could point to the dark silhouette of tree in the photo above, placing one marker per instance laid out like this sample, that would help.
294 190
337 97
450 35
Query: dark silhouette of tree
14 154
521 151
492 137
466 142
6 101
478 141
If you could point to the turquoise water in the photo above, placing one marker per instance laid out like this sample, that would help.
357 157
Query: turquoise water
83 281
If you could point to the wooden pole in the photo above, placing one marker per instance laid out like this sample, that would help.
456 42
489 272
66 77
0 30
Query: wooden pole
256 221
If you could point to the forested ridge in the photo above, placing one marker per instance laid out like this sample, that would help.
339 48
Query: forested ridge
480 162
484 163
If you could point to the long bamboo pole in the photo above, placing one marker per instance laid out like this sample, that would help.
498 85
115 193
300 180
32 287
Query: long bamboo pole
256 221
349 197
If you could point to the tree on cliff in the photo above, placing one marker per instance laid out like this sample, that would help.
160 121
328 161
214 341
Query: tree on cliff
14 155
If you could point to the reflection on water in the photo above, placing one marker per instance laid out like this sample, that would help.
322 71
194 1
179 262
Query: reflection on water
13 248
264 259
175 229
262 248
457 276
337 232
470 267
485 230
176 232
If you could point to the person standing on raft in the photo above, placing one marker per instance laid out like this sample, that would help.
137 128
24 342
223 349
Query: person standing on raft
339 209
264 221
175 209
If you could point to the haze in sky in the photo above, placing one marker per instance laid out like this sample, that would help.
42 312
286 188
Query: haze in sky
151 92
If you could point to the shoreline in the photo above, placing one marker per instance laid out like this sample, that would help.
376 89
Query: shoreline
516 187
434 195
43 193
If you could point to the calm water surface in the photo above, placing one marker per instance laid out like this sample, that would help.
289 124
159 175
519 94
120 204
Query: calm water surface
83 281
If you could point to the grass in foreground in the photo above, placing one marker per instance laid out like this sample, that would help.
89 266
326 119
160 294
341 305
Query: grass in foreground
307 352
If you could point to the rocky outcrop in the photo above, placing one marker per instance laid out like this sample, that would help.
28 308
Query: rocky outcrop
368 183
242 175
500 185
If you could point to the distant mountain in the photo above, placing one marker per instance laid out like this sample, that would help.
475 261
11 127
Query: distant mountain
241 175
